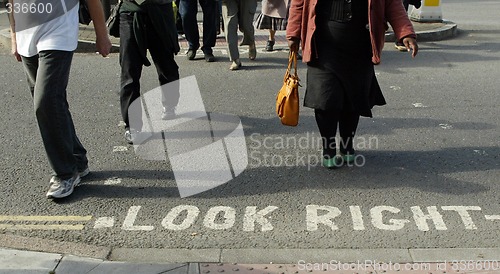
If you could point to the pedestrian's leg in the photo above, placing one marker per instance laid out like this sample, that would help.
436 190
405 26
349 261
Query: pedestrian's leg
131 62
270 42
210 20
247 14
348 124
220 25
271 34
230 17
30 68
166 67
327 124
178 21
52 112
80 153
188 10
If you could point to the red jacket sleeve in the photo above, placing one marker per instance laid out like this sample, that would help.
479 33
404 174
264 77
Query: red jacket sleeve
294 27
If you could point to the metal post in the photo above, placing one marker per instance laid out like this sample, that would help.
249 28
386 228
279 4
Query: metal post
430 11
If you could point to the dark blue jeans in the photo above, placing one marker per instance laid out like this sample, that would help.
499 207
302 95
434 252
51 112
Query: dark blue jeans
48 74
132 61
188 10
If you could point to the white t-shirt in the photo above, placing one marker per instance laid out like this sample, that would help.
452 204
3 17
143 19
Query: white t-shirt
60 33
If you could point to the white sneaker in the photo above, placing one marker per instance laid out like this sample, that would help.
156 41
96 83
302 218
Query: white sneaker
128 137
84 172
168 113
62 188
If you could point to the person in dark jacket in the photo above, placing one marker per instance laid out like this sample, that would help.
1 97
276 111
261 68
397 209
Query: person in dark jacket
341 41
147 25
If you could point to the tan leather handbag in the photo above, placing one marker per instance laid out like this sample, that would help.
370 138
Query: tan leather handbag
287 101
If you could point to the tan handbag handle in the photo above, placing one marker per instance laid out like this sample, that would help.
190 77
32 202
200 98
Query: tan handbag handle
292 59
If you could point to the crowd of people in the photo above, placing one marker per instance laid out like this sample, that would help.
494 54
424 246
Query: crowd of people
341 41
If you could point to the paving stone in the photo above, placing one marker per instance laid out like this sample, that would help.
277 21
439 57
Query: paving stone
77 265
17 261
134 268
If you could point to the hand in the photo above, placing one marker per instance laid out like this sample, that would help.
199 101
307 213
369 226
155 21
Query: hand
14 49
411 44
293 44
103 46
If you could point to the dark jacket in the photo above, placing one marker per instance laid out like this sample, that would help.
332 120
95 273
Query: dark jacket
163 25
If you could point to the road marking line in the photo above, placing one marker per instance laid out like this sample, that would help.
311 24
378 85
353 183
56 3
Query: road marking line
45 218
113 181
492 217
446 126
104 222
119 148
128 223
41 227
3 11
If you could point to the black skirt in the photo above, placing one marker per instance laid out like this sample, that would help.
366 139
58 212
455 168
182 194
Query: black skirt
272 23
341 75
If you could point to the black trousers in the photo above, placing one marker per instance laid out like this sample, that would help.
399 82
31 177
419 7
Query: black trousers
132 60
328 121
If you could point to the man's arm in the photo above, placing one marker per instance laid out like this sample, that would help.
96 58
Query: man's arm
13 41
103 43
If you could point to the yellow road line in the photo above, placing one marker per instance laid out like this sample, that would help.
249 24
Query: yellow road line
44 218
41 227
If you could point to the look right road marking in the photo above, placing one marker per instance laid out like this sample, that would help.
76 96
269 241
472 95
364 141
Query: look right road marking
492 217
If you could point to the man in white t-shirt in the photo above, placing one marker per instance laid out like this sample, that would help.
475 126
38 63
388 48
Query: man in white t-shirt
44 36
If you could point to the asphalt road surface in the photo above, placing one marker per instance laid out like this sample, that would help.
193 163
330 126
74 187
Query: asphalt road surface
427 174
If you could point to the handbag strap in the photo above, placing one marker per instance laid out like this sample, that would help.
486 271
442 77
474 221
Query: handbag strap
292 60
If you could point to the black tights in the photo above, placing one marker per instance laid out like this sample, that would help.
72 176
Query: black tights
327 123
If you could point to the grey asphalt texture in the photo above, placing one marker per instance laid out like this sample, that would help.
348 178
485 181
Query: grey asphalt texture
437 145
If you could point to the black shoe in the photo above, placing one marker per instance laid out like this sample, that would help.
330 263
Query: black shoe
209 57
270 45
191 54
252 51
